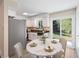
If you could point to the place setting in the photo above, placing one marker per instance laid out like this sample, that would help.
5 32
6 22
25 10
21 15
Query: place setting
33 45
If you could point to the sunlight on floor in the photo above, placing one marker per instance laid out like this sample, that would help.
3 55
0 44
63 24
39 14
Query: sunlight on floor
70 53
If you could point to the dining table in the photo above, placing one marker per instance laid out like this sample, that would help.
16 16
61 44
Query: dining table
38 48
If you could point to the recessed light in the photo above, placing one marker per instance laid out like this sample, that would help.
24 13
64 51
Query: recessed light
25 13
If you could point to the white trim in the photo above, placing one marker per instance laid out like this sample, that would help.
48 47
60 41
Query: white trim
5 29
60 28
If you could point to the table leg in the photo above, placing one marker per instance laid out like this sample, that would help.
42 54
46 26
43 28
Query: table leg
48 57
37 56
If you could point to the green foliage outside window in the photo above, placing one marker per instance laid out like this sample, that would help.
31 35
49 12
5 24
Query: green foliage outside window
66 28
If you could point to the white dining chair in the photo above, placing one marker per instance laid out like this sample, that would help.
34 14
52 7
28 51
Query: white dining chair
61 54
21 53
32 36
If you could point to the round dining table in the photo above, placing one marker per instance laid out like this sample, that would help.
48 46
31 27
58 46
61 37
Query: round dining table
39 49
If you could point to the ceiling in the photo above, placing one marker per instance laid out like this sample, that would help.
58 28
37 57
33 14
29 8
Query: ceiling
33 7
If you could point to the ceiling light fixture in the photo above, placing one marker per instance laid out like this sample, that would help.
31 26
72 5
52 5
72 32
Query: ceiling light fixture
25 14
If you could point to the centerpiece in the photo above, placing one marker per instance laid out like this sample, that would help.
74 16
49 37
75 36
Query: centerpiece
48 49
48 46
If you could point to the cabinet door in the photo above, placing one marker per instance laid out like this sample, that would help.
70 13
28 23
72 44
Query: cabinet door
46 22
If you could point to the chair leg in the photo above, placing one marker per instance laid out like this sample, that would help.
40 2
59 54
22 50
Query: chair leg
48 56
37 56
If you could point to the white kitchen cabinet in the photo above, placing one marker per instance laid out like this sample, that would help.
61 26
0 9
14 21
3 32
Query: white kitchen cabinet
31 22
46 22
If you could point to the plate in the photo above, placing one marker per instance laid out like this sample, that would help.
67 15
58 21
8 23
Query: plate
54 41
33 45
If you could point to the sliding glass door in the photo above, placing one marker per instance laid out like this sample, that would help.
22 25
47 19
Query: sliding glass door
67 28
56 29
62 28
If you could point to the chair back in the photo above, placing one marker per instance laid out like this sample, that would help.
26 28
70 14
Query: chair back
63 42
19 49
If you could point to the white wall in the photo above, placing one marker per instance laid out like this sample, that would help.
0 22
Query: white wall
16 33
13 13
1 27
77 30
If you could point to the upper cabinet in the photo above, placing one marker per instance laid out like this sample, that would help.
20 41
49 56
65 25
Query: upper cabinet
30 22
46 22
39 20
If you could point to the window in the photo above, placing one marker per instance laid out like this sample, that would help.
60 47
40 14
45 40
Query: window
56 29
67 28
62 28
40 24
